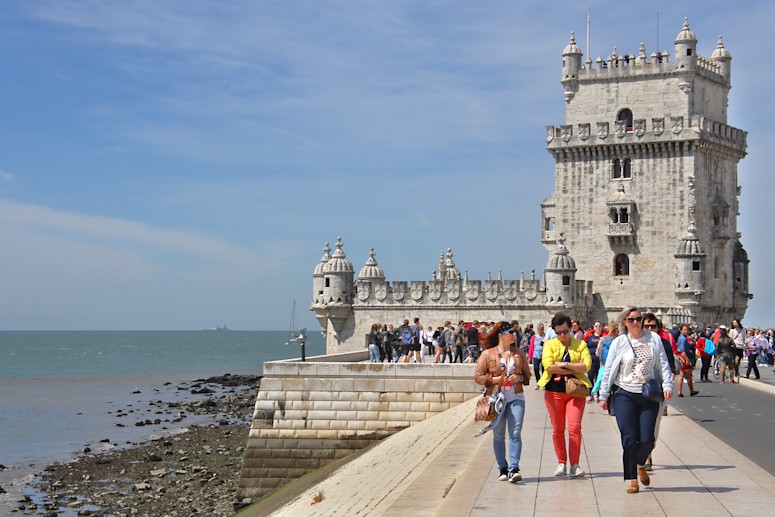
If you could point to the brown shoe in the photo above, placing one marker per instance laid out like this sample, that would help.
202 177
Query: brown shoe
634 488
644 476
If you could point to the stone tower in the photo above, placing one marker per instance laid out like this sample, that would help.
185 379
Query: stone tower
645 155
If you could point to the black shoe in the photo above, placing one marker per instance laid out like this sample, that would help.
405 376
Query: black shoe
515 476
680 394
693 393
504 474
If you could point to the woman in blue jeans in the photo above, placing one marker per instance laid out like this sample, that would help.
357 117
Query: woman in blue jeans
504 366
634 358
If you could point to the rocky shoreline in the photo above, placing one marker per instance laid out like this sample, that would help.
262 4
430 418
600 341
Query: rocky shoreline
188 471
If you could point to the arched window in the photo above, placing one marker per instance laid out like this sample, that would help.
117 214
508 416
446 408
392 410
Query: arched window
328 282
624 217
626 115
627 169
617 168
613 215
621 265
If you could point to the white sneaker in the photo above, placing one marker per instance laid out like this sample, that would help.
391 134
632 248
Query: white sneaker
504 475
576 472
560 470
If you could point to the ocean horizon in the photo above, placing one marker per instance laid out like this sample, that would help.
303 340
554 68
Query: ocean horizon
61 389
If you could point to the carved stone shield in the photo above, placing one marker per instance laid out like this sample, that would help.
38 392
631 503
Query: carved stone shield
364 289
399 291
380 291
491 291
418 289
435 290
530 292
472 291
453 289
583 131
549 134
511 290
566 132
639 126
602 130
677 124
659 125
621 128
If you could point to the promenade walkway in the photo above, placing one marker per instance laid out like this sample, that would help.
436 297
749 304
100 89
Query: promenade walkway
437 468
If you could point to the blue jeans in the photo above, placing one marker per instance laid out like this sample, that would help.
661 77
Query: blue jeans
513 414
637 418
374 354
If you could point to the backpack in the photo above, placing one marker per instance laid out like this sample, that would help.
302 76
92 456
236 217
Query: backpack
710 347
406 336
442 339
606 346
415 334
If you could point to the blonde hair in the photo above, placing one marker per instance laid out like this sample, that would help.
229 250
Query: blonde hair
623 316
613 327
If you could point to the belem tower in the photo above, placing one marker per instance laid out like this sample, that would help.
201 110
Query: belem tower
644 211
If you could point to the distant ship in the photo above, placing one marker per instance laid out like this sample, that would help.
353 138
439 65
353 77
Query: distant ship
219 328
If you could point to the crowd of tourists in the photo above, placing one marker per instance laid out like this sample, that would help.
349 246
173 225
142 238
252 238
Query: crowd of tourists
630 367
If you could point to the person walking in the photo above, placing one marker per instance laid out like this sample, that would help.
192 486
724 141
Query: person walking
752 346
564 357
635 357
603 346
536 350
374 355
737 333
502 365
727 355
683 348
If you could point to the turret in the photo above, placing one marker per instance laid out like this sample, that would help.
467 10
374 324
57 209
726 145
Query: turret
723 59
740 267
690 267
571 64
318 278
686 49
371 272
338 278
560 275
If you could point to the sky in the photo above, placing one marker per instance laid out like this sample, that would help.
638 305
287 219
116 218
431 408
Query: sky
180 164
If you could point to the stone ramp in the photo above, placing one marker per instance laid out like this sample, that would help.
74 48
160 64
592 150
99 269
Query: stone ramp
437 468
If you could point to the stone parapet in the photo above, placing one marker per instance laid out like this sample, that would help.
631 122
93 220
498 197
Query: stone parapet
309 413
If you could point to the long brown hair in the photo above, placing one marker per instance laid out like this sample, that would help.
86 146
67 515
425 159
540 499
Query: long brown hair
490 339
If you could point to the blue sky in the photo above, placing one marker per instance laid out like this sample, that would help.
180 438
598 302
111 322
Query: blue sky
177 165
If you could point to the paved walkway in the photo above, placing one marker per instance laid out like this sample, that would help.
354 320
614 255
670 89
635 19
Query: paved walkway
437 468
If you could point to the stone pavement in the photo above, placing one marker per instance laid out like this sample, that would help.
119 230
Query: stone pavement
767 381
437 468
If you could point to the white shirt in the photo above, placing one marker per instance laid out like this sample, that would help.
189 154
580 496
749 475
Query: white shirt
636 368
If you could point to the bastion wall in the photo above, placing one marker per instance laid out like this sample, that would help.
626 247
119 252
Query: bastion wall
310 413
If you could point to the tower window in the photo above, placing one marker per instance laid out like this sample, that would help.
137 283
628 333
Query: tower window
627 168
626 115
617 168
688 52
549 224
621 265
328 282
565 280
695 265
624 217
613 215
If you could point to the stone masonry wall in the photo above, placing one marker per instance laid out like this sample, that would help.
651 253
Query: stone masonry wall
310 413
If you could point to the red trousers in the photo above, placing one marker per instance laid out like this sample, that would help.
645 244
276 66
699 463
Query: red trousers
562 407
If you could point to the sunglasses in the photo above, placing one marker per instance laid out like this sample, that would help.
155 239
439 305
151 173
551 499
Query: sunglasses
562 332
650 326
636 319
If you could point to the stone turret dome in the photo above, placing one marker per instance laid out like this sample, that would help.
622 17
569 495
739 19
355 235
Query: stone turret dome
371 270
561 259
690 245
740 255
686 35
338 262
572 48
323 260
721 52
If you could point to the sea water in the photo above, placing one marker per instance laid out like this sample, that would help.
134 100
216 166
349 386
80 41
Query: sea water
59 391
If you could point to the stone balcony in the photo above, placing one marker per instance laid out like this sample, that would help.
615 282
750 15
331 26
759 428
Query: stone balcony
621 233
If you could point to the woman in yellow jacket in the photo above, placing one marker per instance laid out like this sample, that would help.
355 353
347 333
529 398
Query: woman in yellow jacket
562 357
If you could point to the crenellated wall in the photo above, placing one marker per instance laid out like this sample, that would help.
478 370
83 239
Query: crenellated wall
310 413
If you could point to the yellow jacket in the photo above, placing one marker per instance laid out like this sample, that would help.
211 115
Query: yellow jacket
553 352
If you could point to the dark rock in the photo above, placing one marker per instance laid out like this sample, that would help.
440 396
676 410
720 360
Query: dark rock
136 392
153 457
105 440
2 490
140 424
86 450
102 461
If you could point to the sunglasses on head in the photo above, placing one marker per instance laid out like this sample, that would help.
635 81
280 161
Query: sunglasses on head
636 319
